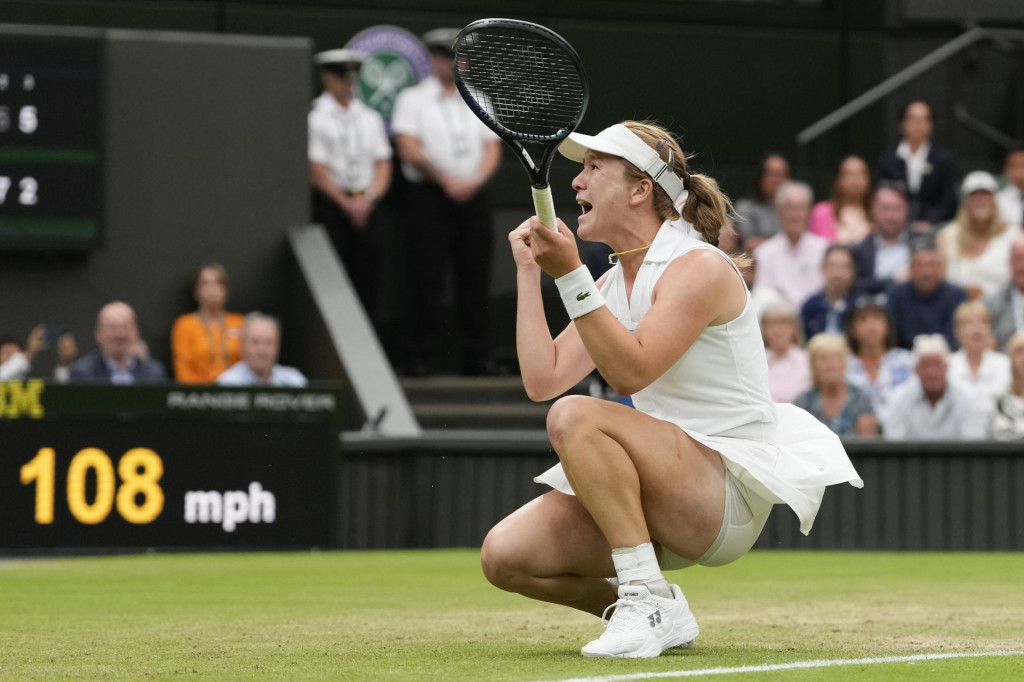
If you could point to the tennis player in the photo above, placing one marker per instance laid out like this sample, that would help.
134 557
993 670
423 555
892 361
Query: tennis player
690 475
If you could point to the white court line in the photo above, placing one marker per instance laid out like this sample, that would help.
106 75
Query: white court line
825 663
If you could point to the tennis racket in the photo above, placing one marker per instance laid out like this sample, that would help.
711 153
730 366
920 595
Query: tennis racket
527 84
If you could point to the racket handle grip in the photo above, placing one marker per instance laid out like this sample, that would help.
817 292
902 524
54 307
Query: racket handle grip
544 204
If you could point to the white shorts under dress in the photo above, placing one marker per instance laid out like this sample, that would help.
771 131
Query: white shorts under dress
742 523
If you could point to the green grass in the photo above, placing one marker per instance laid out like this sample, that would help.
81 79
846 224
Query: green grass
431 615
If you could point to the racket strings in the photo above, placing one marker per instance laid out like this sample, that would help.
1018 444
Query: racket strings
529 85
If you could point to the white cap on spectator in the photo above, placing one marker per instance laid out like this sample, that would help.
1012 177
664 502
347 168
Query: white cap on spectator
930 344
978 181
339 57
440 39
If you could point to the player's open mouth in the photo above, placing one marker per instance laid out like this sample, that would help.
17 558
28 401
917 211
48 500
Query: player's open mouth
585 205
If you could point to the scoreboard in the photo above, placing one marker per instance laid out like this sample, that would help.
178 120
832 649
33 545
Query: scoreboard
98 467
50 147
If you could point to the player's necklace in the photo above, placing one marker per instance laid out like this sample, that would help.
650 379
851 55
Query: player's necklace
612 256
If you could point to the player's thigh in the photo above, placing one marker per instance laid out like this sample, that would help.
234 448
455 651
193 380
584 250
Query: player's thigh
682 481
549 536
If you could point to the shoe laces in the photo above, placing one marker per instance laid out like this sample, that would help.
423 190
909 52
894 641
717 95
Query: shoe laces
627 612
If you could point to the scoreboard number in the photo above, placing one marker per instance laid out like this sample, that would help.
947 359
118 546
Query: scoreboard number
51 151
140 471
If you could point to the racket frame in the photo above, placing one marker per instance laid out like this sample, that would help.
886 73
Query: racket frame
538 171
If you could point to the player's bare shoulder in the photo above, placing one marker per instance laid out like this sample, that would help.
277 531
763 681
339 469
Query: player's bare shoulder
706 277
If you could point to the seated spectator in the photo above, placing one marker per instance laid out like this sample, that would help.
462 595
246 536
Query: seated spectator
925 304
924 168
760 297
16 363
8 348
976 365
790 262
757 219
1007 422
843 218
929 406
208 341
789 373
977 242
876 364
828 310
1010 199
116 360
883 258
261 343
843 407
1007 304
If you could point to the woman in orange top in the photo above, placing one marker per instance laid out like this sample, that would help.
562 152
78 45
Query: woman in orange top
208 341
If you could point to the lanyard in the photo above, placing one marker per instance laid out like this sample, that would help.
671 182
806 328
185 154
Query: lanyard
208 334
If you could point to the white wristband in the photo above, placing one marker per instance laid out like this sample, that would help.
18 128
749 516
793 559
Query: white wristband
579 292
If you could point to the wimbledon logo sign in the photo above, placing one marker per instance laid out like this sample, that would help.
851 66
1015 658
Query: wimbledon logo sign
397 59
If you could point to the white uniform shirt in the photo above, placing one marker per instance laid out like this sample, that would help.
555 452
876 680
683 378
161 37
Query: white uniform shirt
959 414
1010 201
453 138
348 140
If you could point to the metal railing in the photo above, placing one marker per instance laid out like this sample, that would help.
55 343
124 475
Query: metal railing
929 61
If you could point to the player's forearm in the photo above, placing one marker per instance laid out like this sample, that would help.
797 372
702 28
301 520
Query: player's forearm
534 345
617 353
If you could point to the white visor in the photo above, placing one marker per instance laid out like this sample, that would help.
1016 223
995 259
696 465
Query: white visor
618 140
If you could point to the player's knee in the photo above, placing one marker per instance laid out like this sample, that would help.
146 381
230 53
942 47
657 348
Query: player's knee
568 416
498 560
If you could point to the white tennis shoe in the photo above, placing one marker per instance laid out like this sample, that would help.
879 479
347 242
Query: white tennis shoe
644 625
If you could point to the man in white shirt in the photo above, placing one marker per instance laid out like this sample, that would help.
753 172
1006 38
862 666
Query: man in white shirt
448 155
349 169
261 343
790 262
929 406
1010 199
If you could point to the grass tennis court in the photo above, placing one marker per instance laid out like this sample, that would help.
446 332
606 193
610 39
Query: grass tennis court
421 615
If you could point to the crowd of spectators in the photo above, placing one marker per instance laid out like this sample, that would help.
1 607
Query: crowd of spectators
208 346
895 307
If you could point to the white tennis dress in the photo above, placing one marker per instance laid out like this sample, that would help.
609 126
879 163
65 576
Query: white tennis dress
718 393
